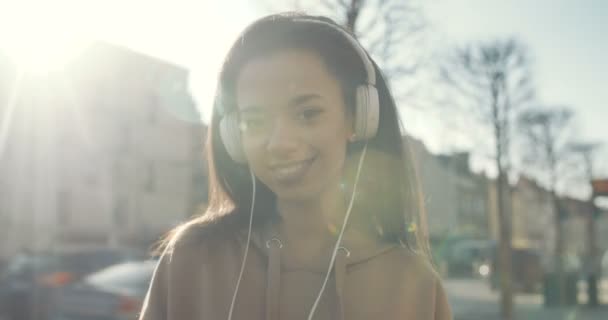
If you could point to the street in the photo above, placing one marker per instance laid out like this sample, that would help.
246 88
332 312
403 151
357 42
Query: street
472 299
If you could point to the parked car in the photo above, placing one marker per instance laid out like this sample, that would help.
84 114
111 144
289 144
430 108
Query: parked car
116 292
465 257
527 269
28 284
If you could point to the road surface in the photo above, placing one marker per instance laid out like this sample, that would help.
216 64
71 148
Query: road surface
472 299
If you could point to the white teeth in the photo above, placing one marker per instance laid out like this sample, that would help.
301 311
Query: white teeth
286 172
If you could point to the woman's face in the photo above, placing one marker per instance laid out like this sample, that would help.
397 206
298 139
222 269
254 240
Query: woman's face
294 123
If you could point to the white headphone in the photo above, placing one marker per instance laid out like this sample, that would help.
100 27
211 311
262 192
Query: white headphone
367 106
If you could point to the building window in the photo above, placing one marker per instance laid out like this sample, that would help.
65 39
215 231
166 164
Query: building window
150 184
91 179
123 140
63 208
152 112
6 150
121 210
3 208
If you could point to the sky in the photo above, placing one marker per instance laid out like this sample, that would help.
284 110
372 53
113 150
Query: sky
565 38
568 44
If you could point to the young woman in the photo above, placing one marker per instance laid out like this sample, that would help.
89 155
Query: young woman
314 208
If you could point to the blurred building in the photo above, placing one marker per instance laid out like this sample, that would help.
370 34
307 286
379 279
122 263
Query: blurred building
576 230
575 213
107 152
462 204
532 215
456 198
8 75
533 221
471 194
438 196
602 233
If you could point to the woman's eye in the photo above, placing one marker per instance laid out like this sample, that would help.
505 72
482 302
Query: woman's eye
309 114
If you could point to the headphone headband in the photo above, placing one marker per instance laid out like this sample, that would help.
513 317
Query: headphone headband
367 63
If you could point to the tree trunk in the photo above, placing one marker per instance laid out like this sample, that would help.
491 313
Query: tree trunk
504 219
505 260
559 251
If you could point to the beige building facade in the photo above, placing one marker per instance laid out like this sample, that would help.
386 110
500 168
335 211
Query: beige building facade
107 152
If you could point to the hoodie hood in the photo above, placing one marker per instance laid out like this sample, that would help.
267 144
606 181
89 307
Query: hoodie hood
369 280
352 250
358 250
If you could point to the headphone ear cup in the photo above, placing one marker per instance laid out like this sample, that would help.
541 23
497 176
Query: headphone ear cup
230 134
367 112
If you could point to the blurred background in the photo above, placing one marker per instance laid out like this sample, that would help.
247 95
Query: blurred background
103 116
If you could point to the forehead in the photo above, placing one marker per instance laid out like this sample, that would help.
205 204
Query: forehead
275 78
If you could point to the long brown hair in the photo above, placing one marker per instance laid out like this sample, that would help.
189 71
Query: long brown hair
397 214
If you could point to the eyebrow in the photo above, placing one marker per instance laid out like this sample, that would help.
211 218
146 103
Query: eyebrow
302 99
294 102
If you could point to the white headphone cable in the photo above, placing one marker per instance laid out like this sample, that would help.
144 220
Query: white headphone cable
238 282
337 245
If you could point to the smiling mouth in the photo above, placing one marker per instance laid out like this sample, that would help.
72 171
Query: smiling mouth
292 172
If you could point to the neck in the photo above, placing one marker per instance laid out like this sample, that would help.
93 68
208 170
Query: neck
311 228
317 219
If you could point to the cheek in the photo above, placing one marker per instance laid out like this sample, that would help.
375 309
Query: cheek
334 152
333 141
254 151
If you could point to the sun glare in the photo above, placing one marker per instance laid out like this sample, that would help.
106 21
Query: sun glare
42 36
39 37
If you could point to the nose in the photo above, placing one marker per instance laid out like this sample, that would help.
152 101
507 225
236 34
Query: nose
281 140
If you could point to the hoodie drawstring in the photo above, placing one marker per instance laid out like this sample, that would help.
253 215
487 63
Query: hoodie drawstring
340 275
273 287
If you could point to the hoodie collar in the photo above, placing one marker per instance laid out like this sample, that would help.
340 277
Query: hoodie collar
266 237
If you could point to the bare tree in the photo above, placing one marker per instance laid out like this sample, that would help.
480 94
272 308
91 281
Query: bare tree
491 80
391 30
547 147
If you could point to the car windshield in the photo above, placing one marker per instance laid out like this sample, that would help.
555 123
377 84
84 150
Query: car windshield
24 263
131 277
86 262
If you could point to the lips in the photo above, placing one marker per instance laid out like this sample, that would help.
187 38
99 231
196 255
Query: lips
292 172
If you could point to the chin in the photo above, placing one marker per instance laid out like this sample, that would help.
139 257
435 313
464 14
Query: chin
296 193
